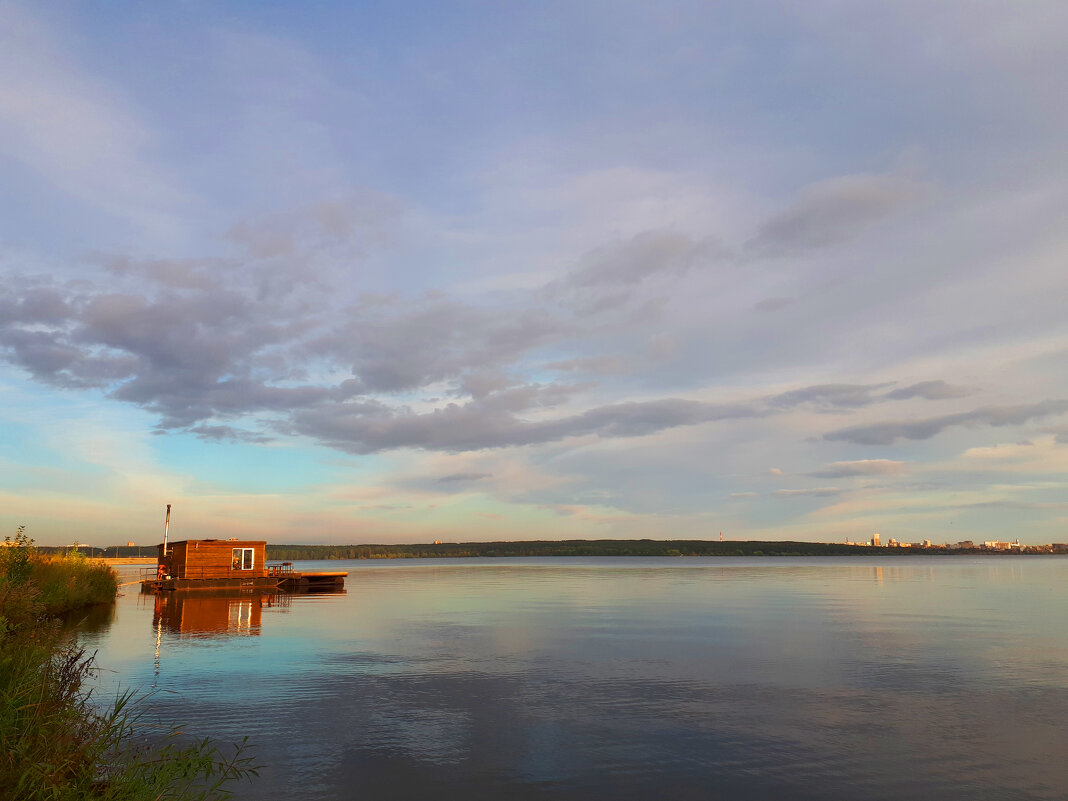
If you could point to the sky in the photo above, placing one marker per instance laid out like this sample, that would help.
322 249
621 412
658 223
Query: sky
396 272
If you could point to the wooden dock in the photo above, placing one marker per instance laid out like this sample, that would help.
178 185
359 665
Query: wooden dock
313 579
289 581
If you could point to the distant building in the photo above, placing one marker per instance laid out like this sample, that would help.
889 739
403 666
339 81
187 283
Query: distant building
875 540
997 545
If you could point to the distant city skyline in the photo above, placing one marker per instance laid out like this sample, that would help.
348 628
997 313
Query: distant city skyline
378 273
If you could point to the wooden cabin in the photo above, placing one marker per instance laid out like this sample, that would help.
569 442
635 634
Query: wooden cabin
220 563
228 564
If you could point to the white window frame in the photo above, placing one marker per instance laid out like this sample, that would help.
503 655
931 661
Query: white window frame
250 553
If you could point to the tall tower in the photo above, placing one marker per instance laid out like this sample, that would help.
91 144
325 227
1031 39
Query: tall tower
875 539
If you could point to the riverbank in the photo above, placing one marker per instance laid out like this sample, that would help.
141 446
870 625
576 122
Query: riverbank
55 743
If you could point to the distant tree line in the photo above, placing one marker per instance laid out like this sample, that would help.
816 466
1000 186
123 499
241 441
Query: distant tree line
290 553
582 548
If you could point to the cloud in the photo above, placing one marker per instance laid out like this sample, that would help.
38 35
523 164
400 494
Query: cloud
228 434
828 395
173 273
360 220
490 424
600 365
452 478
772 304
186 353
833 211
862 467
612 276
641 256
201 343
394 346
35 305
889 432
931 390
818 492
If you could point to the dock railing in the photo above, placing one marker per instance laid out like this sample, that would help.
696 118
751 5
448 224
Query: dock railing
276 569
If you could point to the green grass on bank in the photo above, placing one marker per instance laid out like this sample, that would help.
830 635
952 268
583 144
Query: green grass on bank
55 744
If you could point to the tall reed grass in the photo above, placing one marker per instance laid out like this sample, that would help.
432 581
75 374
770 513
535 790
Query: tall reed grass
55 743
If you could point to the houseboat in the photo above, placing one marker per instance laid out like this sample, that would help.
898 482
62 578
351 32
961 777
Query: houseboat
228 564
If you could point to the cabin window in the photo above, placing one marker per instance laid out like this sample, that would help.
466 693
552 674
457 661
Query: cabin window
243 559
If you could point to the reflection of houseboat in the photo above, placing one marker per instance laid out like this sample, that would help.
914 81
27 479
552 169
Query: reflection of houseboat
228 564
205 614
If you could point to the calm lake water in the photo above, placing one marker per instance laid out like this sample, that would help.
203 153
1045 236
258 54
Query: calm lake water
692 678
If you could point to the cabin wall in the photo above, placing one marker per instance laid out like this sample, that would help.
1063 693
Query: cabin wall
197 559
215 559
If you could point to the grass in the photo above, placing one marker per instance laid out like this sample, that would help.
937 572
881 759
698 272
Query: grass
55 743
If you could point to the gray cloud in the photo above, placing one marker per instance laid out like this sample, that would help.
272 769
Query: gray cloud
35 304
228 434
931 390
818 492
199 352
889 432
623 274
833 211
772 304
392 346
453 478
646 254
490 424
599 365
173 273
359 221
862 467
203 343
263 241
187 353
828 395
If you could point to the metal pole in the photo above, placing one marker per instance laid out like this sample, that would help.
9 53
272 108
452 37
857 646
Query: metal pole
166 528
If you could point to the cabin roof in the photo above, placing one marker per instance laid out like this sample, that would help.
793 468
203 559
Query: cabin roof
234 543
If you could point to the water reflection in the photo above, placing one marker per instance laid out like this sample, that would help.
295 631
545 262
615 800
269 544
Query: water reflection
205 614
91 620
218 613
604 679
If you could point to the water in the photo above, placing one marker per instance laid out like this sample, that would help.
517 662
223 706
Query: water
793 678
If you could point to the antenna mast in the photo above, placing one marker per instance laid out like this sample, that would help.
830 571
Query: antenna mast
166 528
